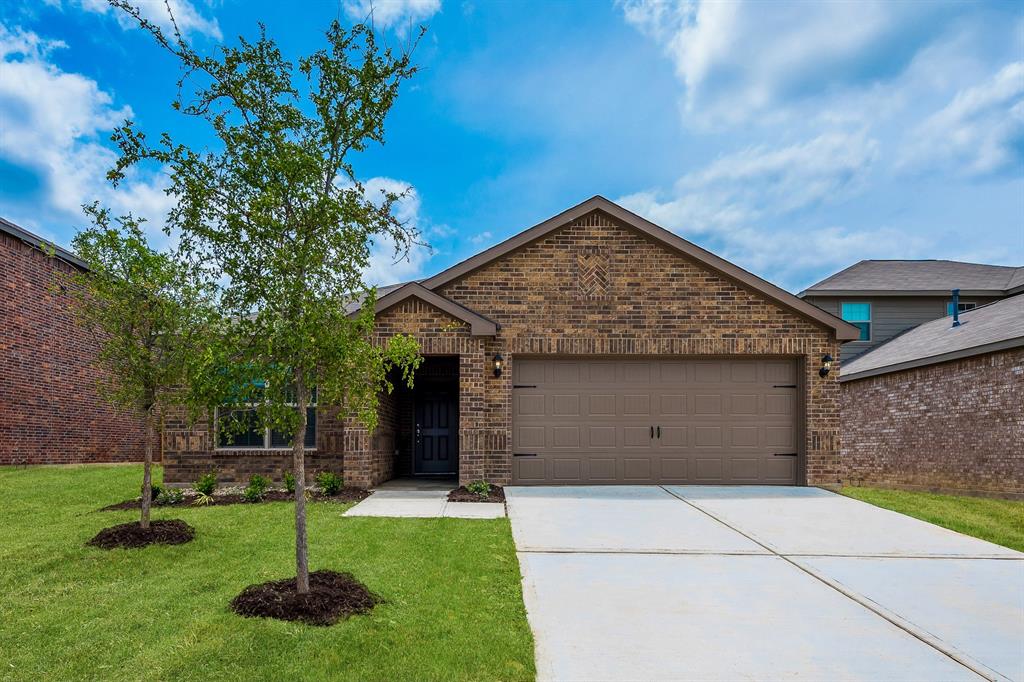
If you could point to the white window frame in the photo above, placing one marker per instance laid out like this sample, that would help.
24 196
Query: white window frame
266 433
871 314
949 304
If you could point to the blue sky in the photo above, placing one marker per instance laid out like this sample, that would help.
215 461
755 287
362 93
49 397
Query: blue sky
793 139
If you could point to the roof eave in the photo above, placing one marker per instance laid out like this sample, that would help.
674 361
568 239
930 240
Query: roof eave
39 243
831 293
843 330
1005 344
479 325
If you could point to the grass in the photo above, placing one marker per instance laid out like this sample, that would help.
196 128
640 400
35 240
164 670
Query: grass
998 521
453 604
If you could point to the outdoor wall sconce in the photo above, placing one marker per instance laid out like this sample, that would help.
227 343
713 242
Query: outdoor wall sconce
826 365
499 364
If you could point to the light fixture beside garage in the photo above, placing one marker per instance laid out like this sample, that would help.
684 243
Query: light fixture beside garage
826 365
499 364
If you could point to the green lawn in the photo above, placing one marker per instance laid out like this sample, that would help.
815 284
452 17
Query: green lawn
998 521
453 604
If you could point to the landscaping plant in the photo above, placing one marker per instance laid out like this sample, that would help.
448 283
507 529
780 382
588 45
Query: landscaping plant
146 311
274 207
289 481
479 488
206 484
330 483
256 489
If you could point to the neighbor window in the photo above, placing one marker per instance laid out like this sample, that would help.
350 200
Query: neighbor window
859 315
255 437
961 307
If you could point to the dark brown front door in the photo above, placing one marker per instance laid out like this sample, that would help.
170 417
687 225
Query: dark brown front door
436 432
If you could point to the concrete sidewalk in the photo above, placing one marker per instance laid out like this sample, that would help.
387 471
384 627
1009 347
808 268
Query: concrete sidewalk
422 498
691 582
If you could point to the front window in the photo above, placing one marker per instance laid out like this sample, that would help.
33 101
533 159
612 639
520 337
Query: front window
255 437
961 307
859 315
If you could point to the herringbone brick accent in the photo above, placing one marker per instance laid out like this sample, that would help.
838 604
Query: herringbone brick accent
592 273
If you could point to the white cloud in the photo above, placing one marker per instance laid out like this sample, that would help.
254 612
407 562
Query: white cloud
742 61
388 13
387 265
53 122
981 131
480 238
739 206
188 18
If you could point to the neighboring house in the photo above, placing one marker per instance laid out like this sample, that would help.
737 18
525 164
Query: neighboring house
941 407
50 412
595 347
886 297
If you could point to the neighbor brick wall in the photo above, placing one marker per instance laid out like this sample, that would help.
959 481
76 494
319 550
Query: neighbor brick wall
50 411
956 426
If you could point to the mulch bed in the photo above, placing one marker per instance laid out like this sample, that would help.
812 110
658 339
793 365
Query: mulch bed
460 494
343 495
332 597
132 535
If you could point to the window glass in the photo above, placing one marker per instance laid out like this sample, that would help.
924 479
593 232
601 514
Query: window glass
284 440
859 315
961 307
250 437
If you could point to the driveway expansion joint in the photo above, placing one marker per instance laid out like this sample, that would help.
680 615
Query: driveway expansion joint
910 628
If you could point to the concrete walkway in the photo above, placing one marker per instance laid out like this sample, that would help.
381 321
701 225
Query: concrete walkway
694 582
422 498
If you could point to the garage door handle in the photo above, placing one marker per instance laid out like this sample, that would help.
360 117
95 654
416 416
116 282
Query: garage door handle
784 386
659 432
652 432
787 454
525 454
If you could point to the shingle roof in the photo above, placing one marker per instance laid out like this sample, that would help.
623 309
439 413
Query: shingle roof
988 328
921 277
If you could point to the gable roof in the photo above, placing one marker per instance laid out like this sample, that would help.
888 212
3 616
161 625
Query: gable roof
920 278
38 242
987 328
479 325
843 330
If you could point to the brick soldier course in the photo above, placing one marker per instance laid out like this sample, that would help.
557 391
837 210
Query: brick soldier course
594 281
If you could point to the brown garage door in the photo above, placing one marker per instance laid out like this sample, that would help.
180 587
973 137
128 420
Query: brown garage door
708 421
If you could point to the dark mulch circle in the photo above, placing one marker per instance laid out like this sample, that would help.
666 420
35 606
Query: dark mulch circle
332 597
460 494
343 495
132 535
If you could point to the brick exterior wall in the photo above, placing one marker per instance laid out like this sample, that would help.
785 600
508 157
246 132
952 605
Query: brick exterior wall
593 287
953 427
189 452
50 411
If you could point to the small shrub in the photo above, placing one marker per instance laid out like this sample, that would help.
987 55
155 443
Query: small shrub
256 489
479 488
169 496
155 490
202 499
289 481
206 483
329 482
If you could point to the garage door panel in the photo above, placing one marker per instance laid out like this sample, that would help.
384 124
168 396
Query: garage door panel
721 420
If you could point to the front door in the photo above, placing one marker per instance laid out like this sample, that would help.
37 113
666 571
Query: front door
436 432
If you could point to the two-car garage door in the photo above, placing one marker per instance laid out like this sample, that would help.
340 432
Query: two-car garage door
708 421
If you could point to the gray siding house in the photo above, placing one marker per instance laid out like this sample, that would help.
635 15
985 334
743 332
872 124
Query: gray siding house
884 298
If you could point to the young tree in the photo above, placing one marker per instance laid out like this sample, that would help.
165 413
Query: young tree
275 207
147 312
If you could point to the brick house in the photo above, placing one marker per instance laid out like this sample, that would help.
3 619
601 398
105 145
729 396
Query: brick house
595 347
50 412
940 406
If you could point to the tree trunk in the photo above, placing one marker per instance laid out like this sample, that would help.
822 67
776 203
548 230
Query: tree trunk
299 465
147 469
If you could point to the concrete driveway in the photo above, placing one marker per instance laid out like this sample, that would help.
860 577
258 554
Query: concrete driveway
696 582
